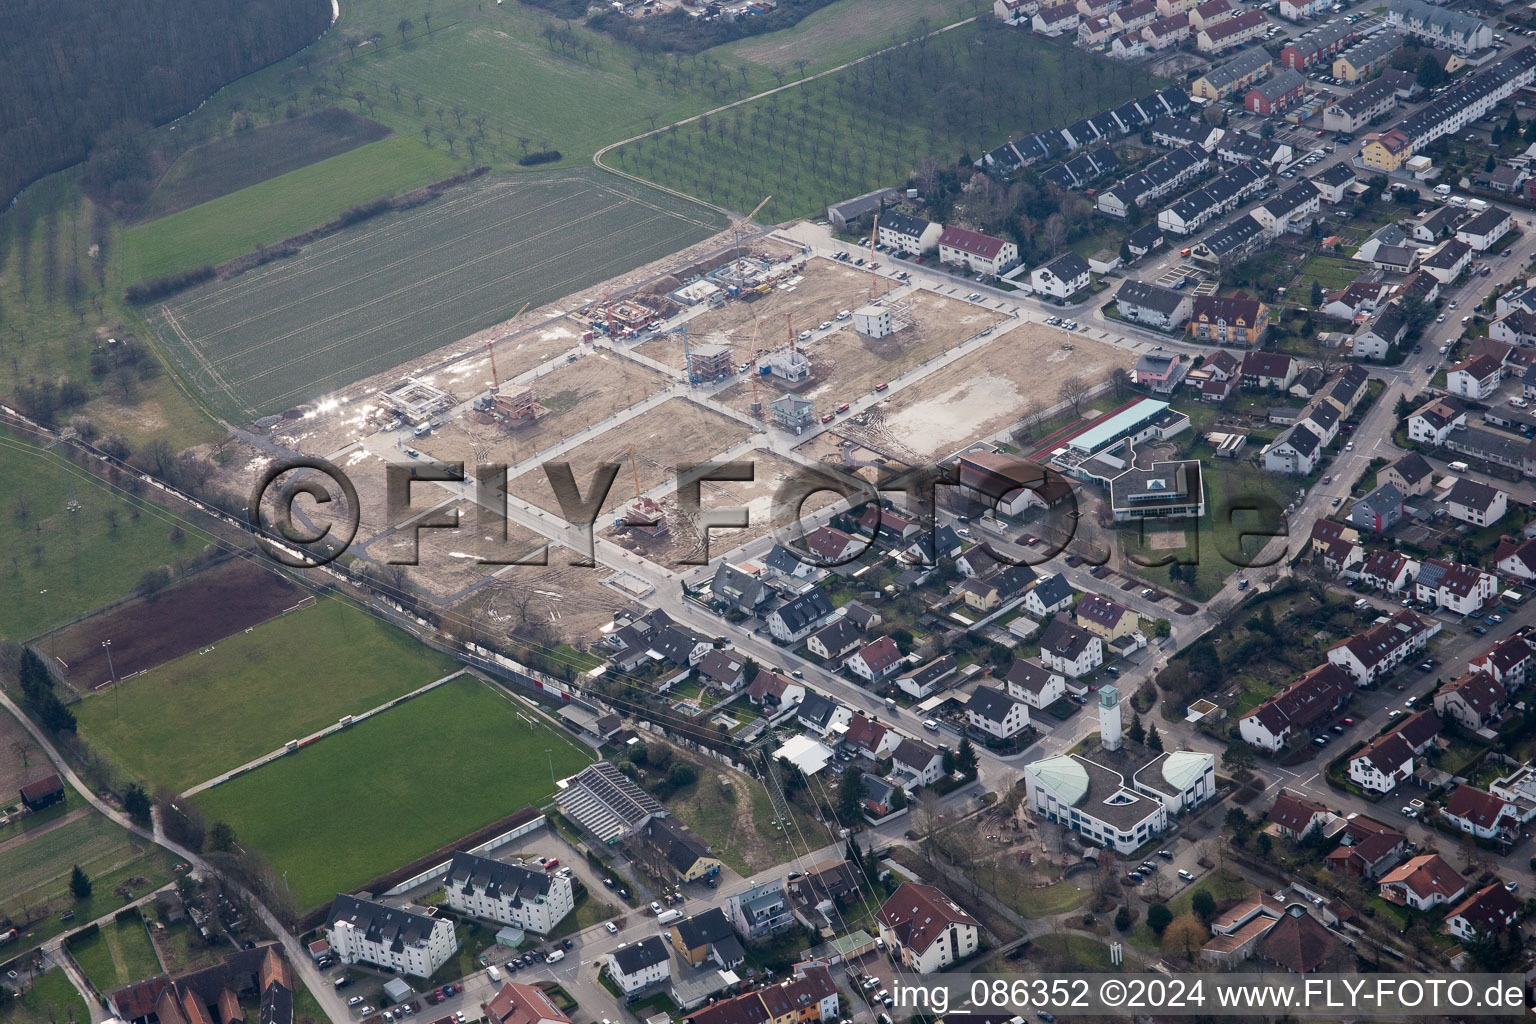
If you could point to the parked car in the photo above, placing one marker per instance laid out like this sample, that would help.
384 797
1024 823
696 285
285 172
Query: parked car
613 929
1185 875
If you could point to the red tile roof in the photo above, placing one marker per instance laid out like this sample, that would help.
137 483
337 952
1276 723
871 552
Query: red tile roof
974 242
918 914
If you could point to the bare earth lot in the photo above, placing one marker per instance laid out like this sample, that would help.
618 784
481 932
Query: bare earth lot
215 603
674 432
845 365
985 392
819 292
770 472
575 396
449 560
569 599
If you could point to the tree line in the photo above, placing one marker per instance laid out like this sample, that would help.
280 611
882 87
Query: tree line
72 71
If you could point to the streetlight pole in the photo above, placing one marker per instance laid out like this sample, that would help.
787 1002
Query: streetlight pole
116 703
550 754
46 610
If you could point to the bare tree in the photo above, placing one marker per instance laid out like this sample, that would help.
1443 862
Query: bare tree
1074 390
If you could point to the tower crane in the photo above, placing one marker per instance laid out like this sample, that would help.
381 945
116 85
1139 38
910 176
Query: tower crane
740 226
490 348
874 279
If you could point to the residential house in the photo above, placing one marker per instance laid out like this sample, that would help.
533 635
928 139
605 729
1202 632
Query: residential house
725 669
976 252
1378 337
922 682
1277 93
1423 883
533 901
926 929
394 938
1049 595
1159 372
869 737
1449 260
1381 764
771 691
760 911
1333 182
1230 319
1153 305
1271 371
1387 152
995 713
1062 277
1410 474
798 617
1474 701
1292 211
823 716
1296 450
832 546
1438 223
515 1003
1370 656
835 639
810 997
1490 911
908 233
1106 618
915 764
1507 661
1379 510
1388 570
688 857
1034 684
1486 229
1069 649
1516 558
1366 849
1476 503
1457 31
1481 814
636 966
1294 817
737 590
1433 422
1310 701
1462 589
1474 378
707 936
875 661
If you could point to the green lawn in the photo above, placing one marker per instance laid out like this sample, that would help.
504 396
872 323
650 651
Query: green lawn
1224 885
843 31
118 954
84 555
437 768
1331 272
34 876
50 1000
590 910
738 821
1086 952
186 721
289 204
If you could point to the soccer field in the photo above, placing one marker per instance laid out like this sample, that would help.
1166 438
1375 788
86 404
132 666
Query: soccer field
187 720
361 301
395 787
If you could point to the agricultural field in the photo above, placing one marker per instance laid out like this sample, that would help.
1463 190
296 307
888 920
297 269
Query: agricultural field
987 390
272 210
573 397
83 554
859 128
333 828
188 720
118 954
663 437
34 874
404 284
52 999
233 162
206 607
684 540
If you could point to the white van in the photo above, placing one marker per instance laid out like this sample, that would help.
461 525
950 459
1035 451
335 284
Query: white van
555 957
493 973
669 917
1442 190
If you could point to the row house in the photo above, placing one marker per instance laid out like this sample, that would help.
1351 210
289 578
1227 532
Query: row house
1456 31
1374 654
1209 14
1166 32
1052 22
1134 16
1192 211
1236 147
1231 245
1158 179
1363 60
1292 211
1388 570
1317 44
1235 32
1234 77
1277 93
1310 701
1154 306
1470 99
1361 107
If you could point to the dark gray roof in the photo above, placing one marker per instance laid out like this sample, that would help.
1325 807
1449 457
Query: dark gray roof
1029 675
1068 266
802 611
904 223
496 879
1149 296
1053 589
816 708
992 704
1064 639
637 956
839 634
393 927
1336 174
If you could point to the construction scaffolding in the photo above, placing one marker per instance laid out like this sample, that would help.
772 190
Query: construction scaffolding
416 400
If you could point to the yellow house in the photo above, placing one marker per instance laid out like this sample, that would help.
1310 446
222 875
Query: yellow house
1326 533
689 857
984 595
1105 618
1387 151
